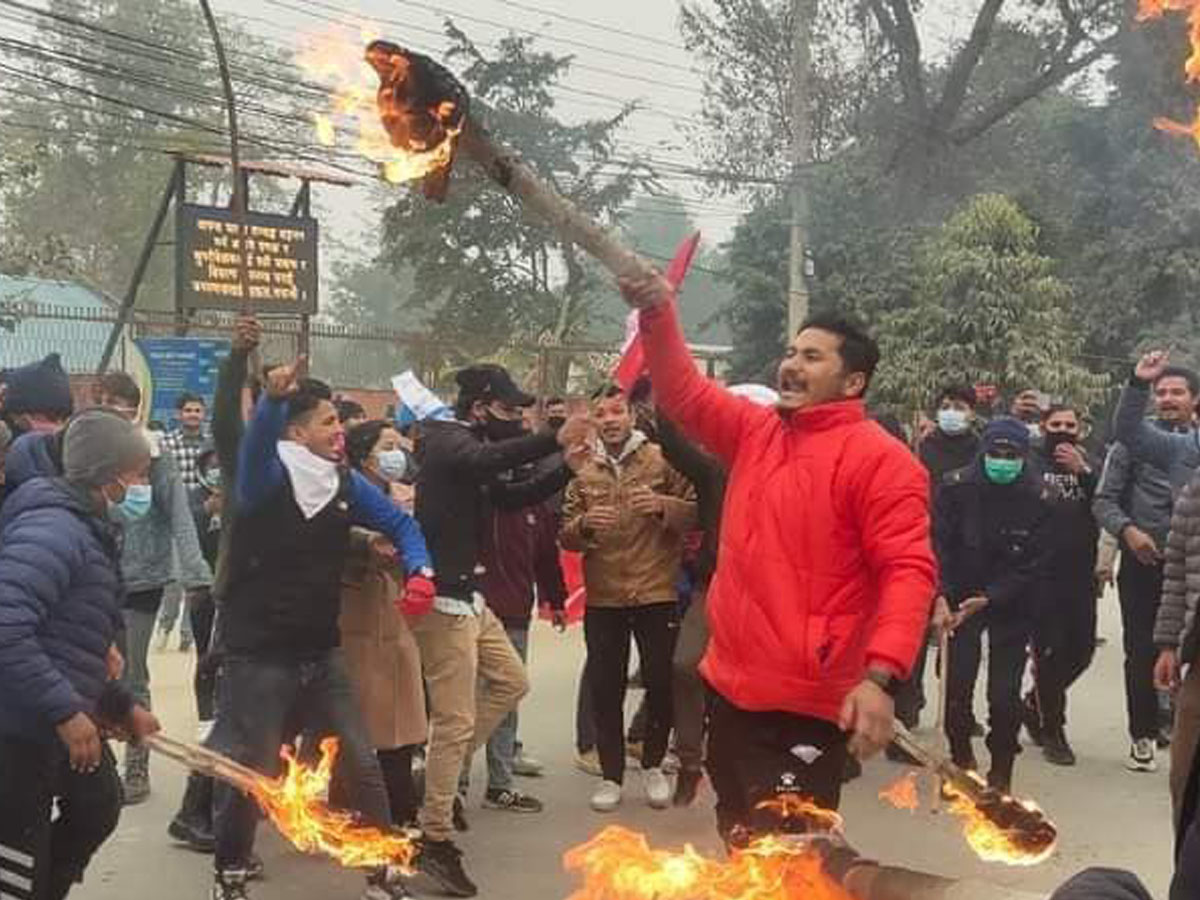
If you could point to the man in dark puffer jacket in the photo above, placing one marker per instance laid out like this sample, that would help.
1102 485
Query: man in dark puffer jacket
60 612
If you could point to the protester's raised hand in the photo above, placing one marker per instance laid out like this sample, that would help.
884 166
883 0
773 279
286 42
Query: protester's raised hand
283 381
1070 458
645 291
1151 366
247 332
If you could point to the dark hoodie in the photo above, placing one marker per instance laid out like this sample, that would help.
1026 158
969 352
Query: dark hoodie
942 453
1074 527
33 455
60 610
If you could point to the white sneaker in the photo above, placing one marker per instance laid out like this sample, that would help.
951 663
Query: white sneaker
658 789
1141 756
527 766
606 797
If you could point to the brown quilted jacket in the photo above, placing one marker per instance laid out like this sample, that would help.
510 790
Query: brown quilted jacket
636 563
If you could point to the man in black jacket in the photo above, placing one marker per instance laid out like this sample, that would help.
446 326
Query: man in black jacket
1134 503
1065 628
462 461
952 445
991 526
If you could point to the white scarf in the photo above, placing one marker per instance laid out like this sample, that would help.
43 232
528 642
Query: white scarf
314 479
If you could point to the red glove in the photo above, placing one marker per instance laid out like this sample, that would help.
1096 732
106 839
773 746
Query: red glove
418 596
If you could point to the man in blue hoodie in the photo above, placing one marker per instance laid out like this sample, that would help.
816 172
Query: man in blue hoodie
60 616
296 503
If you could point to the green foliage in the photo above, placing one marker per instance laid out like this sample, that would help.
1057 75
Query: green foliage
989 309
89 130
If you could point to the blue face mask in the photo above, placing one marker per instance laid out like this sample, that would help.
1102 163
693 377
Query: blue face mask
953 421
137 502
393 464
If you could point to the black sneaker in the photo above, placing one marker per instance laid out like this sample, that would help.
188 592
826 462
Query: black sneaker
1000 776
511 801
192 833
1057 751
687 786
230 885
1031 718
442 861
255 870
386 883
460 814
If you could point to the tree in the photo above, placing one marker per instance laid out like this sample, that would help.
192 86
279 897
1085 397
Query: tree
486 273
91 102
989 309
872 81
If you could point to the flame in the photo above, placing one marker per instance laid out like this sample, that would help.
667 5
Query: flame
295 804
993 842
903 794
355 109
795 808
619 864
1155 9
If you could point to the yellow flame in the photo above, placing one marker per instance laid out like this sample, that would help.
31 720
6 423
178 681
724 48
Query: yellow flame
992 843
295 804
619 864
903 794
337 63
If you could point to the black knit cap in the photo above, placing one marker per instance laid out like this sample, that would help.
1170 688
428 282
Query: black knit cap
40 387
487 382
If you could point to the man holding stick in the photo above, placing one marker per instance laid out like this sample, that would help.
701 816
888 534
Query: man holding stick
825 575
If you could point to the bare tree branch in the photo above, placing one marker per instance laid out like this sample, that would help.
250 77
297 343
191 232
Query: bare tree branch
958 79
1062 68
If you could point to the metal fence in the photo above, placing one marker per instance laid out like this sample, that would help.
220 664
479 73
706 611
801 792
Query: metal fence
347 357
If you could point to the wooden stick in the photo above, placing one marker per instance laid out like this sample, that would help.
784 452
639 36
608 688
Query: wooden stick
943 693
506 169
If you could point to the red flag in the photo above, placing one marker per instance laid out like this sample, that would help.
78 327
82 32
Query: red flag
633 356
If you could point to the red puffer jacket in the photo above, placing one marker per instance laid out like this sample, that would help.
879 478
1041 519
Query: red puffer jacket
825 564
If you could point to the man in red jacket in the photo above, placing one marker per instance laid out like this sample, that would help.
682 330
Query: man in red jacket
825 573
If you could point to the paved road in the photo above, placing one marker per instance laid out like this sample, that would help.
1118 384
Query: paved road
1106 815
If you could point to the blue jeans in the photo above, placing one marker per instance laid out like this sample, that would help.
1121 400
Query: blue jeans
502 745
256 698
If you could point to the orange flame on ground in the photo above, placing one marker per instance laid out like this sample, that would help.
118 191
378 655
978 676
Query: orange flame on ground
1156 9
295 803
619 864
994 843
338 63
903 794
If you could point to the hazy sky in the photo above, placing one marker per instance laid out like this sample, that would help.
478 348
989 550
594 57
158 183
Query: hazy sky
646 63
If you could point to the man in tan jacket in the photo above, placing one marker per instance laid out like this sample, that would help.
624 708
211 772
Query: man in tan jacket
627 511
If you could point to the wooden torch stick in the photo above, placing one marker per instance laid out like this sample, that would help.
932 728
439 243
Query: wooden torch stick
506 169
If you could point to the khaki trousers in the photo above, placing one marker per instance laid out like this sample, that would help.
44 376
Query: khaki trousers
1184 737
473 679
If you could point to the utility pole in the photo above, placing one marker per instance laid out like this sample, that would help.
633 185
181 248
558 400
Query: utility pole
804 13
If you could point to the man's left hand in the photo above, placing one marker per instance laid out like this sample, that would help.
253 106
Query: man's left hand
868 715
1070 458
645 502
139 725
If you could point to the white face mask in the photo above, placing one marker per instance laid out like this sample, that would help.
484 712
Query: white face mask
393 464
953 421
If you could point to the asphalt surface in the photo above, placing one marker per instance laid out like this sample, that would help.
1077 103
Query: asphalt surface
1106 816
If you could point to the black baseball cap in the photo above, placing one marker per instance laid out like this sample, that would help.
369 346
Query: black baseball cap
488 382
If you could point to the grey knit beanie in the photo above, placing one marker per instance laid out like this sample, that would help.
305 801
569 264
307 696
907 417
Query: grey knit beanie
98 445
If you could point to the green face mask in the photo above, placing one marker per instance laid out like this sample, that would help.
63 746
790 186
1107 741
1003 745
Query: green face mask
1002 471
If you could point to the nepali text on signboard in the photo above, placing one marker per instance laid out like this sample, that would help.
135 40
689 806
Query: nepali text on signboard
280 262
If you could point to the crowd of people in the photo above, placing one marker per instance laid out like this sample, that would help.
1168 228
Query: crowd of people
781 558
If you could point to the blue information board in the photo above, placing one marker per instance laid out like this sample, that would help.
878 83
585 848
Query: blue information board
175 365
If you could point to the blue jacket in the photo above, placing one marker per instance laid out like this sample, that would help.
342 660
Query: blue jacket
146 555
60 601
261 473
